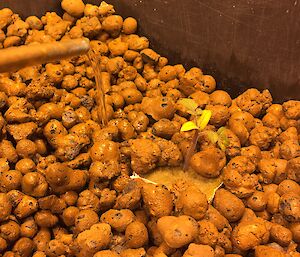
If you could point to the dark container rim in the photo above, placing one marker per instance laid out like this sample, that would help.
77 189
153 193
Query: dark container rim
243 43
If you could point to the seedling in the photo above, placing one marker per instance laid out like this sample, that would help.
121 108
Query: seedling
200 119
219 137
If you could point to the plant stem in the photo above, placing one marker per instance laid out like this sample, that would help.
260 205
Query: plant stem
191 150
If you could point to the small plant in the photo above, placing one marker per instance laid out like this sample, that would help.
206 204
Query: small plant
199 121
219 137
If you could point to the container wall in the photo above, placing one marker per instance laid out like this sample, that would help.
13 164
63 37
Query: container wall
245 43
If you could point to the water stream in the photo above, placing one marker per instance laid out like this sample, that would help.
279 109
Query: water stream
100 94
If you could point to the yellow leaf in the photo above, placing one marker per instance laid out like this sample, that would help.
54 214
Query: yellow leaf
222 146
203 120
188 126
189 104
223 141
226 141
221 130
198 111
212 136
